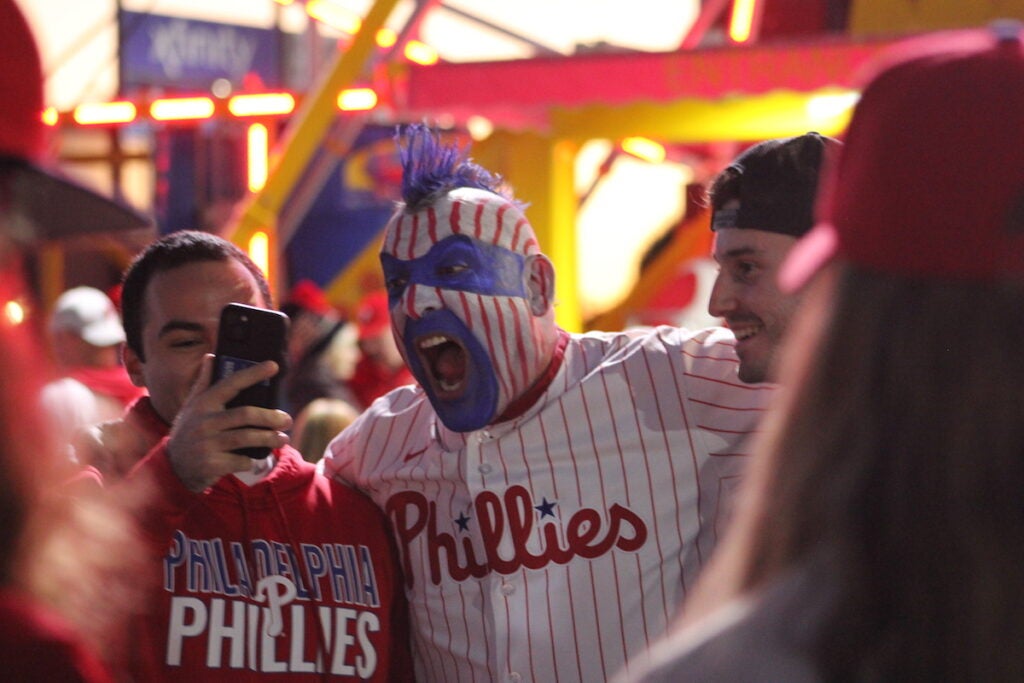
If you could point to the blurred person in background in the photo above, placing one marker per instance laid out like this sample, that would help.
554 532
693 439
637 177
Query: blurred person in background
880 533
66 564
320 421
321 349
381 367
86 336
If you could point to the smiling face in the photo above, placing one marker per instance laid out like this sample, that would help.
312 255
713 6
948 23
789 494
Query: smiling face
747 296
470 298
182 315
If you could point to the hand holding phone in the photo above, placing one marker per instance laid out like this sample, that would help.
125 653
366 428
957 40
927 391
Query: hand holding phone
249 335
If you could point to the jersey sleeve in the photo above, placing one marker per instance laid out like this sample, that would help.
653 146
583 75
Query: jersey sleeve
727 410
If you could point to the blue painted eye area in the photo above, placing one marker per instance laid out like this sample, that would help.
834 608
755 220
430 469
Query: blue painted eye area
459 263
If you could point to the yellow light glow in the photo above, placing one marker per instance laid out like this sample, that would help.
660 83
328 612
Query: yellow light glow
742 22
259 251
829 106
420 53
14 312
262 104
284 2
257 148
334 16
357 99
479 127
182 108
104 112
386 37
50 116
644 148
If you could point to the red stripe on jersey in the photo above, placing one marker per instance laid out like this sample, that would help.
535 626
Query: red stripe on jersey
508 633
432 224
727 359
604 506
727 431
572 617
738 385
529 243
403 446
666 607
718 405
522 455
653 381
446 611
547 454
478 223
529 629
572 452
551 624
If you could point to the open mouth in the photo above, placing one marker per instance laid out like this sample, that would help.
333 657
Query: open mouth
746 331
444 359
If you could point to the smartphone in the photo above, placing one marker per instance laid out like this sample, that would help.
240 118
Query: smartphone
249 335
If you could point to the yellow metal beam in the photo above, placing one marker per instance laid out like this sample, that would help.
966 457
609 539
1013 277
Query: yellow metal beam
740 118
541 171
305 134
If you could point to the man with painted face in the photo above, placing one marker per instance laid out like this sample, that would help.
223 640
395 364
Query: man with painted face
553 495
762 203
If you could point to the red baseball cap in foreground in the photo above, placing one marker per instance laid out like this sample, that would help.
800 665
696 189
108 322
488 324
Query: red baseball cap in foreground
930 182
42 202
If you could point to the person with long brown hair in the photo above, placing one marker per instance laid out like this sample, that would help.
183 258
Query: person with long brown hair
880 536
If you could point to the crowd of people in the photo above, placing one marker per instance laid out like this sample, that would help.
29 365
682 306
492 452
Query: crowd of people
824 488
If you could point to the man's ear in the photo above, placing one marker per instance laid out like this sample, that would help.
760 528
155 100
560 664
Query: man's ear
133 364
540 283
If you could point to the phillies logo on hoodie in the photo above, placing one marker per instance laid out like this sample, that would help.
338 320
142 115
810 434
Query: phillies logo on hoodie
272 607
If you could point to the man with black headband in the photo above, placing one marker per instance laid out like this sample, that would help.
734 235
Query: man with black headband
761 204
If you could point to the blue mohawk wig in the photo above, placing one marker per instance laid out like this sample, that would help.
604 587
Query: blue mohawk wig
431 169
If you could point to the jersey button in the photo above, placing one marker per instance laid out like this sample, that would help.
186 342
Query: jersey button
507 588
485 468
515 677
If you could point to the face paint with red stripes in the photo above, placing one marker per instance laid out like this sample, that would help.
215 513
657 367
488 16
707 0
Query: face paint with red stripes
460 309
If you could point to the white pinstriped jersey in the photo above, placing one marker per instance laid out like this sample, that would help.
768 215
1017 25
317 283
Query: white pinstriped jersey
555 546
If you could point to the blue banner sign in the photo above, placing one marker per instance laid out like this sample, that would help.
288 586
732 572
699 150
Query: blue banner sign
186 54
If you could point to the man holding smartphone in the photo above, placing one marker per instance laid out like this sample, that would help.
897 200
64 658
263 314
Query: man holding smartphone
261 575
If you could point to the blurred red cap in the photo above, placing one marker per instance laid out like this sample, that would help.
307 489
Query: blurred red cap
373 315
930 182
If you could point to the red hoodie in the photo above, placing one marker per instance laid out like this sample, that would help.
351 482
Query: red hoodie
257 580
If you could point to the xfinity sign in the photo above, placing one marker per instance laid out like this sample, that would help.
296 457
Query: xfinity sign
184 54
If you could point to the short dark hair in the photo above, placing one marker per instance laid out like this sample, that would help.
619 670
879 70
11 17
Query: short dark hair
173 251
775 183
